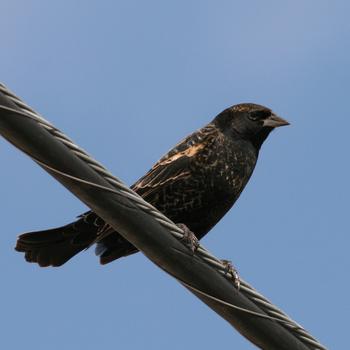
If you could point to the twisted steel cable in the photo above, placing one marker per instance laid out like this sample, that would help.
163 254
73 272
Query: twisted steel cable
272 312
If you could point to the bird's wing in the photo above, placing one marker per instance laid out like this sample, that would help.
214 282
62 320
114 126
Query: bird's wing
174 166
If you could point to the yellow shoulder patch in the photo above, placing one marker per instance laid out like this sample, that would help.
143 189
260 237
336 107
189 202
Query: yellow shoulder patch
188 152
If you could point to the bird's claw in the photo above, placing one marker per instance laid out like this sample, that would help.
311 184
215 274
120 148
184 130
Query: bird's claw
189 237
230 270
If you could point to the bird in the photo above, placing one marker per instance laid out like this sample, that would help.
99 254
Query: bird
194 184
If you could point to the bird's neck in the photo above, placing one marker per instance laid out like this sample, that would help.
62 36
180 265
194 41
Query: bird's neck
258 139
255 140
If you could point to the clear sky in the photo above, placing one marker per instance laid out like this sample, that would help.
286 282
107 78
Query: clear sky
127 80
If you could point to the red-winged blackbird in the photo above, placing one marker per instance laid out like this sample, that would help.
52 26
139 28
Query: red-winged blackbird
195 184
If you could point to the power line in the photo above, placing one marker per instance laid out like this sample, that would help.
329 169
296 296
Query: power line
202 273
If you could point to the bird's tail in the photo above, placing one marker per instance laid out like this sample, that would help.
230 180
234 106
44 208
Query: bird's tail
56 246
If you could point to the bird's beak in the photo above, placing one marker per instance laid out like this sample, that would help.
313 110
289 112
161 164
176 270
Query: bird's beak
275 121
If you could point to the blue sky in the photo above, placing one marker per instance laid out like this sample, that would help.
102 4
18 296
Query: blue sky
127 80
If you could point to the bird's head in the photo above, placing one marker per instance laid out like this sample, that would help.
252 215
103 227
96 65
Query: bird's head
249 121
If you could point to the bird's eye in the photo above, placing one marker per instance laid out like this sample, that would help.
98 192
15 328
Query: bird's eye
259 115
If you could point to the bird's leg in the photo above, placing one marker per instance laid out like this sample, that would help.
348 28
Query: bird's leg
189 238
230 269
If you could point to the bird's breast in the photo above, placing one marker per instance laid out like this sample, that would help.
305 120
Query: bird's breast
227 168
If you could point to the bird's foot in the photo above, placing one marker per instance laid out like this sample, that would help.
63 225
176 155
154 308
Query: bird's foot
189 237
231 270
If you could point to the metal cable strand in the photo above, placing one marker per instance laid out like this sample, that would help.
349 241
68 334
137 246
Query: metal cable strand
271 310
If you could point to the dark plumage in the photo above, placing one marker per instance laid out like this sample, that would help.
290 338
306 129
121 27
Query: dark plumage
196 183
